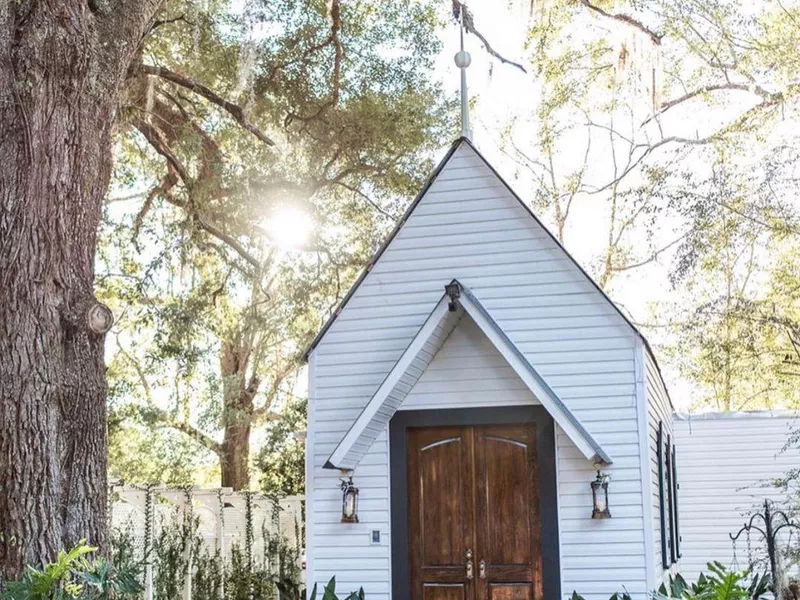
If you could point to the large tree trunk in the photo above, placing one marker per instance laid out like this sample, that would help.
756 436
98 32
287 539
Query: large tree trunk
238 412
234 456
62 69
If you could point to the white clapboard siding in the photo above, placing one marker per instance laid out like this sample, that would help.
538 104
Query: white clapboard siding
727 463
467 362
470 227
659 410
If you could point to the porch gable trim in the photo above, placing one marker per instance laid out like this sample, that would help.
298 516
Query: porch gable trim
416 358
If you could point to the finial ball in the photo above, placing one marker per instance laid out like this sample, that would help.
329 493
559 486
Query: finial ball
463 59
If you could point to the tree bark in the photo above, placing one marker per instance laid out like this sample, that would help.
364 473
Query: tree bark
234 458
237 413
62 69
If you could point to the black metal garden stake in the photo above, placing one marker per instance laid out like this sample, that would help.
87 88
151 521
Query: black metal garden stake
774 521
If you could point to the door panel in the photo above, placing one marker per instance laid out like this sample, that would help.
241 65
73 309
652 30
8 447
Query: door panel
506 493
438 591
441 513
473 489
507 524
510 592
443 486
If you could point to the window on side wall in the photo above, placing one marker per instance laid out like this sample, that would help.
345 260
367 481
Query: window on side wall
676 532
668 499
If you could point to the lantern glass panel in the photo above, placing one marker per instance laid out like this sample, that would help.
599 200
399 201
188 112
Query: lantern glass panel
600 497
349 502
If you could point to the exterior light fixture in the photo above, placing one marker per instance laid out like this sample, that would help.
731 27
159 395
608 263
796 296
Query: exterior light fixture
349 500
600 496
453 289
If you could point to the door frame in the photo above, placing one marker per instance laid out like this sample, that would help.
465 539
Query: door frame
546 477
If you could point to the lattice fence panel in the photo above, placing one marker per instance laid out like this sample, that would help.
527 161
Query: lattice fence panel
225 520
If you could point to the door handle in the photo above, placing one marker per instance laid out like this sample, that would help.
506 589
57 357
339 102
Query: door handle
470 574
482 569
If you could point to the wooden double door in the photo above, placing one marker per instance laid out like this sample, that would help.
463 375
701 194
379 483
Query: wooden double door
473 513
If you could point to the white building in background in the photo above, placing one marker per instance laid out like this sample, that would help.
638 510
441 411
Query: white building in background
728 465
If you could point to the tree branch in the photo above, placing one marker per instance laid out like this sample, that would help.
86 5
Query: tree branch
704 90
167 183
197 435
161 22
236 111
769 102
152 136
338 50
459 9
161 417
656 38
366 198
653 256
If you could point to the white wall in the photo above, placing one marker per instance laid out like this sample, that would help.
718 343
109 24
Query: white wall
726 463
468 226
468 372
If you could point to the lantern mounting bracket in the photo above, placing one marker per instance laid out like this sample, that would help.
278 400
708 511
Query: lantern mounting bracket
453 290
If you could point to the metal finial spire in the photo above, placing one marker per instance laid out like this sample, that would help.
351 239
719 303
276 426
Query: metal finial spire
463 60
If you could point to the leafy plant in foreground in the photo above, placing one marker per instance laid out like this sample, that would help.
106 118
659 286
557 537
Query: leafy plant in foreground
718 584
73 576
329 592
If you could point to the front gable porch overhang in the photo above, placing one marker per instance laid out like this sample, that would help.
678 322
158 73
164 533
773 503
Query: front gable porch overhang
457 301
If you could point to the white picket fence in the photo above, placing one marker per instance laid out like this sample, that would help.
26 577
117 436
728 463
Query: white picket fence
226 519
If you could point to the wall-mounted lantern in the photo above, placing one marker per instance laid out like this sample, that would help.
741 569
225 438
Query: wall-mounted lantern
349 500
600 496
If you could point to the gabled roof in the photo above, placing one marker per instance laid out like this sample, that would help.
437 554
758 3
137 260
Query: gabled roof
417 356
455 146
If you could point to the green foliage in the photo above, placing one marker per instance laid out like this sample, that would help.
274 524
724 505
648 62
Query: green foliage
104 581
57 580
740 342
281 459
615 596
170 558
209 572
329 592
675 128
73 576
241 583
189 265
241 577
718 584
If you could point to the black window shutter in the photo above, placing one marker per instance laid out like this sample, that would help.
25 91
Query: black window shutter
675 487
671 503
661 500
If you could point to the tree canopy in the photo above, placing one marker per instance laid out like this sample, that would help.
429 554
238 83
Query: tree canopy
270 146
675 124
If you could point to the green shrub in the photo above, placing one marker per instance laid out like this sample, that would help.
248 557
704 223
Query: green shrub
208 573
329 593
717 584
74 576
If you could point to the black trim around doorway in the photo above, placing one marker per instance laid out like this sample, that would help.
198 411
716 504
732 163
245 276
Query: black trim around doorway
546 464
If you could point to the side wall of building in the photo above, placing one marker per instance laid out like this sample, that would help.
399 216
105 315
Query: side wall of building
727 464
470 227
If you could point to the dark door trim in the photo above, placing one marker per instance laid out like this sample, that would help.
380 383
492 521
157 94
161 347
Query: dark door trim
548 507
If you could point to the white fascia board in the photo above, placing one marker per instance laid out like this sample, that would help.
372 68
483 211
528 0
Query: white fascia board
546 396
338 460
